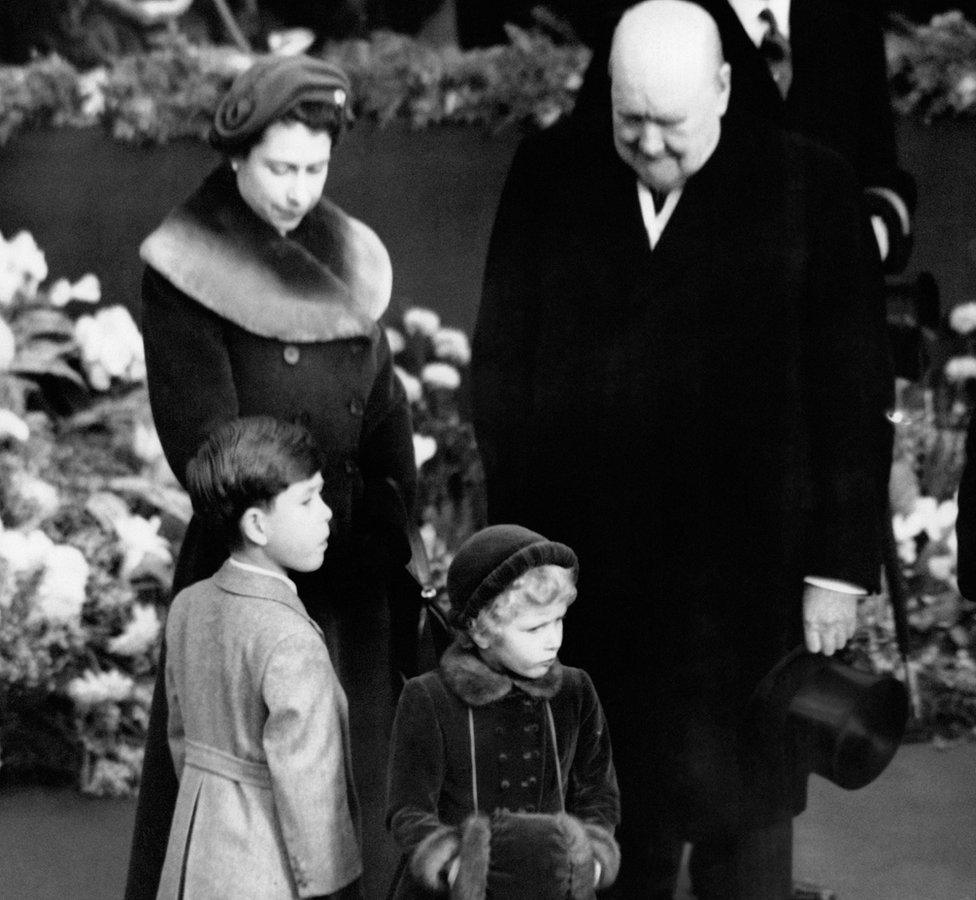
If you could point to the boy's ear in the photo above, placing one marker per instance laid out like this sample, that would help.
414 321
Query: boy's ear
253 526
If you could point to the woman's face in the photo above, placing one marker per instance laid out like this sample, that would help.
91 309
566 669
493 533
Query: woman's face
283 176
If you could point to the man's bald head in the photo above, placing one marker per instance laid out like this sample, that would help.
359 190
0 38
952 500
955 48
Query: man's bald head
670 89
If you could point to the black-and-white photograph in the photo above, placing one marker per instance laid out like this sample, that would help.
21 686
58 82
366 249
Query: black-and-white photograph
487 449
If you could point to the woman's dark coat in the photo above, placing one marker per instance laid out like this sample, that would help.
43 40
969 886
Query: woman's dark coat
699 423
257 341
430 791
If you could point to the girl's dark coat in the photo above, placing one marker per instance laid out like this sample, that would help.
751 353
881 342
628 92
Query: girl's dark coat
430 762
330 368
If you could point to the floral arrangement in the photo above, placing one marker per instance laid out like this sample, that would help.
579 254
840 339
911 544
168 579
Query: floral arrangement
930 419
431 361
171 91
91 516
88 515
933 67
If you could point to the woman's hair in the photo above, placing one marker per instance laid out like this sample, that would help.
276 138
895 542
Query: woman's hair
537 587
247 462
316 115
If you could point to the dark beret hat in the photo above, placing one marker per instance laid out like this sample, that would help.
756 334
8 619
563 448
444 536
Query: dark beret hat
271 87
491 559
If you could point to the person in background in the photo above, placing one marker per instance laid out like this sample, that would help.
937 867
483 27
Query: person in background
675 373
261 297
258 723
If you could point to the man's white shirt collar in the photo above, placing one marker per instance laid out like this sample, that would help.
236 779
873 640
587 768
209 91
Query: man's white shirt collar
249 567
748 13
655 220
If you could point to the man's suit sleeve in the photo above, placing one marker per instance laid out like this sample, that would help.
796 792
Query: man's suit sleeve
847 383
504 336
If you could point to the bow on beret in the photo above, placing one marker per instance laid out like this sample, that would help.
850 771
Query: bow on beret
267 90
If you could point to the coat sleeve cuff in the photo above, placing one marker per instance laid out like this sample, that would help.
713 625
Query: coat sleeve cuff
606 851
431 857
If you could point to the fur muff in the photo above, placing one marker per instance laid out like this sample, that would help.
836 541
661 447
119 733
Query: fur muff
474 853
606 851
430 858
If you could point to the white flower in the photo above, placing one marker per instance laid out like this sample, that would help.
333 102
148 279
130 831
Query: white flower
441 375
395 340
411 385
24 552
424 448
960 368
146 444
942 567
574 81
452 344
139 635
13 426
88 289
94 688
963 317
140 538
24 263
90 87
964 91
547 114
417 319
907 552
60 593
41 497
8 346
111 347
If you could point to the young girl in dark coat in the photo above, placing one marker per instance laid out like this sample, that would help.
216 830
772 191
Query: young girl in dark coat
503 728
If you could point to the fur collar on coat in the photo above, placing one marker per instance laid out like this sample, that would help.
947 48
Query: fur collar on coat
328 279
467 675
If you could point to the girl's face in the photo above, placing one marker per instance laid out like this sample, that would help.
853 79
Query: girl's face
528 644
283 176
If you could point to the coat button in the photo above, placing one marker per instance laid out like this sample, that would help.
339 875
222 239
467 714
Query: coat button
531 728
527 755
356 407
350 467
499 729
504 784
530 808
291 354
503 757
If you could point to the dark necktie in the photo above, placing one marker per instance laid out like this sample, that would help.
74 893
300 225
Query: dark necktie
775 49
659 198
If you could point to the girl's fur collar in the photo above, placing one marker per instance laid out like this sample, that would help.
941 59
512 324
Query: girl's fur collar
467 675
328 279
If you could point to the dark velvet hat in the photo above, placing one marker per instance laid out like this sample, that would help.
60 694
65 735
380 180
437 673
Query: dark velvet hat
268 89
491 559
842 723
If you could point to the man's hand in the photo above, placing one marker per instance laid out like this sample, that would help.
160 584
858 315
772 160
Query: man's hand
829 619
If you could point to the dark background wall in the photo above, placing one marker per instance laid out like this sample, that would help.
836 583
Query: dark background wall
431 196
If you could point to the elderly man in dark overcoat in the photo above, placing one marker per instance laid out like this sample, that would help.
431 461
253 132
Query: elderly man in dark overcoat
674 373
832 89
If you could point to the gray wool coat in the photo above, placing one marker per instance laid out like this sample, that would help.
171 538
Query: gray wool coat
259 734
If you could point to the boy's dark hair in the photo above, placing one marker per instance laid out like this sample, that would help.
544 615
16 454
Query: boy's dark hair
247 462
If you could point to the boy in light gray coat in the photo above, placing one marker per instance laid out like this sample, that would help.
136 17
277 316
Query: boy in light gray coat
257 718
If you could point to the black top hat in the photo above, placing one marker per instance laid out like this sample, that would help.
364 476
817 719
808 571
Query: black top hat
840 722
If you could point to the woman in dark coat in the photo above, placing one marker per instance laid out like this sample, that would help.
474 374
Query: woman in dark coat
262 297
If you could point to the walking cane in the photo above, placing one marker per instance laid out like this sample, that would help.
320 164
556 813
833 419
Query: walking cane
898 596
